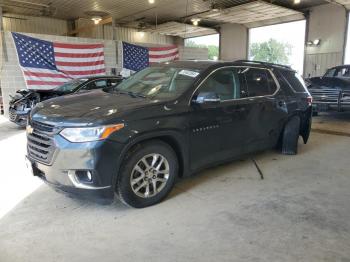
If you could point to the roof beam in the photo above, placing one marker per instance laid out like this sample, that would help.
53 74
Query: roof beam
104 21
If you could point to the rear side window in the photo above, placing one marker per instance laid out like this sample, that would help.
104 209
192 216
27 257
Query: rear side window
260 82
295 81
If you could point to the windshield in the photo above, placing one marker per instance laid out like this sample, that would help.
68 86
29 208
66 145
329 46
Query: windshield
70 86
343 72
330 72
159 82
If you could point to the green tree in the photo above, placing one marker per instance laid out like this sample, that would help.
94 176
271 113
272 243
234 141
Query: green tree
271 51
213 50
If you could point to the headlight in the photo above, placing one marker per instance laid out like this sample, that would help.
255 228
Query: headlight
89 134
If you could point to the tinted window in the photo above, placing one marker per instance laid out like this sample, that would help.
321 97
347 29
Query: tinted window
260 82
285 87
295 81
113 82
95 84
342 72
330 72
224 82
70 86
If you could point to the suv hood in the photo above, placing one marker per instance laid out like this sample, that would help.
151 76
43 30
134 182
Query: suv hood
87 108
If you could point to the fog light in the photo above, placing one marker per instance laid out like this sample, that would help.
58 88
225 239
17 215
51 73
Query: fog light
83 179
84 176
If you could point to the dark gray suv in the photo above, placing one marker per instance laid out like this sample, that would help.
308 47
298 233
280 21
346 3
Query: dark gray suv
164 122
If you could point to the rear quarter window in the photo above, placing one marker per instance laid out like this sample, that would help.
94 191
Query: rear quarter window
295 81
260 82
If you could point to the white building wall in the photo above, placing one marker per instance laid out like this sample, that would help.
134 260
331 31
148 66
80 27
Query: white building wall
192 53
328 23
31 24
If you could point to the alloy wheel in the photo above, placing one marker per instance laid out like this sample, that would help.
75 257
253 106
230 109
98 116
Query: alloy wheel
150 175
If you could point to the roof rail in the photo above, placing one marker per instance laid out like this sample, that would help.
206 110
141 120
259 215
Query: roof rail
262 63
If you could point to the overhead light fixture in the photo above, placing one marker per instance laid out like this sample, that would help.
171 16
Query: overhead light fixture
96 19
296 2
309 43
195 21
141 34
317 42
151 2
215 7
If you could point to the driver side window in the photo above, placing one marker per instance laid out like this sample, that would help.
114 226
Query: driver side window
225 83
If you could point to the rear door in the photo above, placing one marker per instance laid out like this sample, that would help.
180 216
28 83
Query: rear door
267 109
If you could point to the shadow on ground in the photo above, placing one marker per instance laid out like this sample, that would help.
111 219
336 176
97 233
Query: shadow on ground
8 129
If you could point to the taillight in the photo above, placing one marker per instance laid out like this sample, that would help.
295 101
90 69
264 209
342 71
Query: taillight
309 100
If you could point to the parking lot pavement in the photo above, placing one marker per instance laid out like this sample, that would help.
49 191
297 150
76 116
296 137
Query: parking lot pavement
16 182
332 122
299 212
8 129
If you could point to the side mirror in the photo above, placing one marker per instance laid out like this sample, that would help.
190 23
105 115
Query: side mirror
207 98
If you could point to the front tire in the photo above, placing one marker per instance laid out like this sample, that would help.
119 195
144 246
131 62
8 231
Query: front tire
291 136
147 174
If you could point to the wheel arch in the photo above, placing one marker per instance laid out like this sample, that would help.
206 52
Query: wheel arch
171 138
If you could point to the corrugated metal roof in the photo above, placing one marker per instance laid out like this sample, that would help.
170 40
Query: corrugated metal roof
133 12
249 13
129 10
181 29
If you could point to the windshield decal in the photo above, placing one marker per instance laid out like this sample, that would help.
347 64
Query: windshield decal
189 73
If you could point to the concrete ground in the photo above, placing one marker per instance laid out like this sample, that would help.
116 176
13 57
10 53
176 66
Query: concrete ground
299 212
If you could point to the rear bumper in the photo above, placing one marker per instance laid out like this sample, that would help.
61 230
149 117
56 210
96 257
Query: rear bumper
97 158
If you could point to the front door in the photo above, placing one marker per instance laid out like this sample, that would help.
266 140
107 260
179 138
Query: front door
217 129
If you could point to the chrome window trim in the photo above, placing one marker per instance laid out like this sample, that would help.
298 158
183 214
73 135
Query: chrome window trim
244 98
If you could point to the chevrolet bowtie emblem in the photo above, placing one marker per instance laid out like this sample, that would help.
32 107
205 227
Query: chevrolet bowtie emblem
29 129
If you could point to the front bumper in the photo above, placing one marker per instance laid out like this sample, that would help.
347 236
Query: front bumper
323 106
98 158
18 117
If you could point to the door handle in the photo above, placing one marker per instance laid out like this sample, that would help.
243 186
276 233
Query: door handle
280 103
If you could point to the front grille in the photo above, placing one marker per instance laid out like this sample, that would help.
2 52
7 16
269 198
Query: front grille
41 145
326 95
331 97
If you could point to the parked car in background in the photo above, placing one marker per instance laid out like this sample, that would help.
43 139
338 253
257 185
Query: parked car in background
164 122
24 100
331 91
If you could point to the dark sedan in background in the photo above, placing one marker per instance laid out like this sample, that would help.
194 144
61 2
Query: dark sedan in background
331 91
24 100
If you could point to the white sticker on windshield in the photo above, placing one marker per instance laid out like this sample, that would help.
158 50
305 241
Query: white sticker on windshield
189 73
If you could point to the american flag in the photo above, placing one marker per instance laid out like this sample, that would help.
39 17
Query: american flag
46 64
136 57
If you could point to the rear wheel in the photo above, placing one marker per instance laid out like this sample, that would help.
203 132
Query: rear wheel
291 136
147 175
